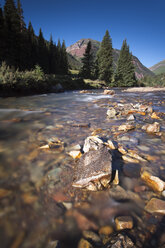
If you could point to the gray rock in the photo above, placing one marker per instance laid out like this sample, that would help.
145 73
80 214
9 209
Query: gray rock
93 167
92 143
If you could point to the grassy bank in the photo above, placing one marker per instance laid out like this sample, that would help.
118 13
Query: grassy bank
16 83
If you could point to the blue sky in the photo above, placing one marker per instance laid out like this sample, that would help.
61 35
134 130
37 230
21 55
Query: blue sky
141 22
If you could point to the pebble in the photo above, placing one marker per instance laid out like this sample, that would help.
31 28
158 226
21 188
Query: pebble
53 244
106 230
92 142
152 181
131 117
84 244
91 236
155 206
152 128
111 112
116 179
124 222
112 145
130 159
75 154
155 116
163 193
4 193
126 127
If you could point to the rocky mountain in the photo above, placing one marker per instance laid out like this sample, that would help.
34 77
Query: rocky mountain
158 68
77 51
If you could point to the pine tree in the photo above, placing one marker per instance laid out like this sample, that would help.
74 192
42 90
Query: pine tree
12 26
64 59
105 59
125 72
42 52
2 36
87 60
21 17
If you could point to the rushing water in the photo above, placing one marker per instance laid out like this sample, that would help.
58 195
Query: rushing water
38 203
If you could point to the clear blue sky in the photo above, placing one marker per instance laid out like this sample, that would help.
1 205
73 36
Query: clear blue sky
141 22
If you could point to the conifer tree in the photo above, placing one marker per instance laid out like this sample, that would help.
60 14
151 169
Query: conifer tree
12 33
2 36
42 52
64 59
87 60
125 72
105 59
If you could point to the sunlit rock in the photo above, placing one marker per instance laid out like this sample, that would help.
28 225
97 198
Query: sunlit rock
155 206
75 154
126 127
111 112
92 143
109 92
124 222
93 167
152 128
152 181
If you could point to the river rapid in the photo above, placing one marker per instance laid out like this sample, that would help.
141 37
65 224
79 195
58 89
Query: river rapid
38 205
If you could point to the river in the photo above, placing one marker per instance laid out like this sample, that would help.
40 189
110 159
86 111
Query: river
38 203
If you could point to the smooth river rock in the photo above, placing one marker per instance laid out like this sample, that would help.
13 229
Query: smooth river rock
94 169
155 206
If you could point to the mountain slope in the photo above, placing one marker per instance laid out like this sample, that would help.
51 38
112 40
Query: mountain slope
158 68
77 50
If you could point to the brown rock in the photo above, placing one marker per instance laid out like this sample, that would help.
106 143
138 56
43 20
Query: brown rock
126 127
152 128
155 206
4 193
84 244
111 112
106 230
109 92
130 159
154 182
124 222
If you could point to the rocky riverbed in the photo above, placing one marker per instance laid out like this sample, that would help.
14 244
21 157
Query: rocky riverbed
83 170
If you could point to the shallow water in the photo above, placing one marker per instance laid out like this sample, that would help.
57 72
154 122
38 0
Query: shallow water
38 202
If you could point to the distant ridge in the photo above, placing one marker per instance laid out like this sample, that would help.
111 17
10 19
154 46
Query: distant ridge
158 68
77 50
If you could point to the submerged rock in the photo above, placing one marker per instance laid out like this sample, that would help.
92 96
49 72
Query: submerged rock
75 154
152 128
94 169
155 206
120 241
154 182
111 112
124 222
126 127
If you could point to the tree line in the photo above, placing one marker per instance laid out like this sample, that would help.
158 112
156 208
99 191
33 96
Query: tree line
22 49
101 67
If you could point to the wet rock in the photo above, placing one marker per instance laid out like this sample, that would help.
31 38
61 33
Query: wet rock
130 159
133 154
92 143
91 236
131 170
152 181
53 244
84 244
109 92
106 230
112 144
83 222
120 241
4 193
163 193
111 112
93 167
124 222
116 179
29 198
122 150
155 116
155 206
84 91
131 117
152 128
75 154
126 127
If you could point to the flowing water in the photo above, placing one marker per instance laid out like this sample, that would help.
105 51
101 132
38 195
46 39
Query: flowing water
38 203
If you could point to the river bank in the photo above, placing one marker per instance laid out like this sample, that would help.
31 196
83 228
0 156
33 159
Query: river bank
40 205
